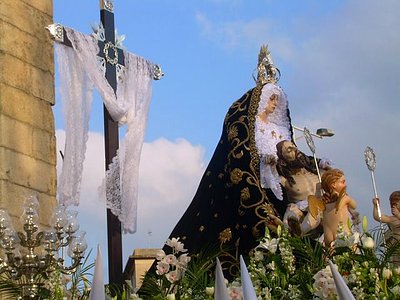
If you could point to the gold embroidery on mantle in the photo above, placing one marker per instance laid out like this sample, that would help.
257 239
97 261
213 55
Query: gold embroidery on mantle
267 208
236 175
245 194
253 196
232 133
225 235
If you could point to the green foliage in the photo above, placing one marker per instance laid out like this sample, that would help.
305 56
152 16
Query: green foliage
282 266
198 276
80 282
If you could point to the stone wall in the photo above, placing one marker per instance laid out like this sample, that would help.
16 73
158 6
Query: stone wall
27 133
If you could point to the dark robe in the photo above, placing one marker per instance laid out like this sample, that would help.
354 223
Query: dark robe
230 208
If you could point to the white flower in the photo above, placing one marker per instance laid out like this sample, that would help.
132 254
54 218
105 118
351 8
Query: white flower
395 290
184 259
210 291
387 273
175 244
341 242
354 238
271 265
270 245
258 256
324 285
173 276
397 270
235 292
162 268
160 254
367 242
170 259
345 240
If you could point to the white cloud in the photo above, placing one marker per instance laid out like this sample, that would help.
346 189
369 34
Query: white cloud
169 175
241 34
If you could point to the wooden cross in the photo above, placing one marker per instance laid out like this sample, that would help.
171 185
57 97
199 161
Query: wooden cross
112 56
111 143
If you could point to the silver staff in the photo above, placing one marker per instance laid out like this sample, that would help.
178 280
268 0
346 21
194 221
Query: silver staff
311 145
370 160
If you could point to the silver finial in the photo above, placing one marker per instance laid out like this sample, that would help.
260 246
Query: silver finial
57 31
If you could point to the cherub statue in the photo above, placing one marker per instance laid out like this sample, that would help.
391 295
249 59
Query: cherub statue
338 206
392 221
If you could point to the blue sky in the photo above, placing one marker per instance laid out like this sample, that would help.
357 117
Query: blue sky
340 68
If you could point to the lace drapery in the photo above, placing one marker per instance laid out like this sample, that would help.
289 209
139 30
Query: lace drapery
76 96
129 105
267 135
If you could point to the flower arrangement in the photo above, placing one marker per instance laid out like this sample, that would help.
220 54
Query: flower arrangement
365 261
171 268
179 276
274 268
284 266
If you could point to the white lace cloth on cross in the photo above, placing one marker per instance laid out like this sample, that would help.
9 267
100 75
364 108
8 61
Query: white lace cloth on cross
79 73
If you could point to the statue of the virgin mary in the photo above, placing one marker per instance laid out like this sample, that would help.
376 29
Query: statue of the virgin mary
240 192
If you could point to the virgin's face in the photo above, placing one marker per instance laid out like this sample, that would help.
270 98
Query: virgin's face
271 104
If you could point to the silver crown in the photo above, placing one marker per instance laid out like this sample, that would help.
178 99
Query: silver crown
267 72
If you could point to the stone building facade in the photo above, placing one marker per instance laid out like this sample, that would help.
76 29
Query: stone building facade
27 129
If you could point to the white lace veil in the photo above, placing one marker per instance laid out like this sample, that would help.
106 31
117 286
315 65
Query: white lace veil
279 125
279 116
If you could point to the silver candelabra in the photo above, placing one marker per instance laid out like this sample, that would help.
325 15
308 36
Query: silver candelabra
29 256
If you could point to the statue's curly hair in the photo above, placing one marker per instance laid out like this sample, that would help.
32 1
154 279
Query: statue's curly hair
328 178
394 197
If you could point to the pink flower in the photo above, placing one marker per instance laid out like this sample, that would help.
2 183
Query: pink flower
173 276
235 293
170 259
162 268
